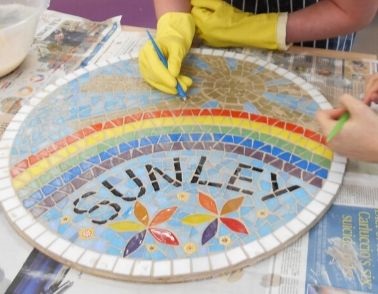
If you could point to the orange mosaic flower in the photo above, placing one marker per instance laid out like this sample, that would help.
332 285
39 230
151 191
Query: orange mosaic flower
208 202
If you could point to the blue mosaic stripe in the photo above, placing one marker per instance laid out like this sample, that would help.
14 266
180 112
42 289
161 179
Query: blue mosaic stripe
133 146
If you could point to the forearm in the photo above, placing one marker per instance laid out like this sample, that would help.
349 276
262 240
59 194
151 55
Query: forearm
164 6
329 18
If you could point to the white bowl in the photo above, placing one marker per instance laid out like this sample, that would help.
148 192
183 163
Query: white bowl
18 23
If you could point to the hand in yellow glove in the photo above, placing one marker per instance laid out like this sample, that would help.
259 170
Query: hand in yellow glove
221 25
174 36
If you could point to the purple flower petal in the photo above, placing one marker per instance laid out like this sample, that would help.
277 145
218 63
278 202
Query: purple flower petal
134 243
210 231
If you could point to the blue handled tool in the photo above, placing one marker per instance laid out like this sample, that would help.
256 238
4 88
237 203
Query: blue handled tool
162 58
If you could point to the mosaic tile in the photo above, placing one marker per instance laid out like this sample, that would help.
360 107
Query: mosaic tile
103 172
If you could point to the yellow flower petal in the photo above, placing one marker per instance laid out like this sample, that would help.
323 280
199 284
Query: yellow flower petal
196 219
126 226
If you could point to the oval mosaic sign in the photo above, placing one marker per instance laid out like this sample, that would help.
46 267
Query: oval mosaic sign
107 175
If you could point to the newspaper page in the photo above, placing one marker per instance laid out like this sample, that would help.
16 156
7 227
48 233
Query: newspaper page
62 44
338 255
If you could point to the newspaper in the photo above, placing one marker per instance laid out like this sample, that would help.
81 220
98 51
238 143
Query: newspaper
339 255
63 43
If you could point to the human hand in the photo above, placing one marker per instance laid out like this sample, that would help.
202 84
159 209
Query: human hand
174 35
221 25
371 90
359 137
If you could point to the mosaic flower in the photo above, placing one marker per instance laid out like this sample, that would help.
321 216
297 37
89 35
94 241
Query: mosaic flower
225 240
215 217
183 196
143 225
262 213
151 247
190 248
65 219
86 233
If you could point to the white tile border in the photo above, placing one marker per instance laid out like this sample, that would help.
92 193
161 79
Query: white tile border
59 246
316 207
337 167
335 177
296 226
236 255
162 268
89 258
9 135
251 59
200 264
60 82
330 187
197 50
51 88
25 221
239 56
5 184
217 52
46 238
306 217
207 51
253 249
73 253
142 268
219 261
10 203
269 242
124 266
35 230
181 266
324 197
339 158
106 262
4 173
4 164
229 54
17 213
19 116
281 71
14 125
283 234
7 193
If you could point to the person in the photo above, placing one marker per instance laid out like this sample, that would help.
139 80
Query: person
358 138
221 25
272 25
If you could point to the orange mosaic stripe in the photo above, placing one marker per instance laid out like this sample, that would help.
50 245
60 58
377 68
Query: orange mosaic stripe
21 166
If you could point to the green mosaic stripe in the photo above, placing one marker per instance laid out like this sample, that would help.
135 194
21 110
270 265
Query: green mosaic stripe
105 145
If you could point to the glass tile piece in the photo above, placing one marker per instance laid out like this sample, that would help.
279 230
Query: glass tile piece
162 268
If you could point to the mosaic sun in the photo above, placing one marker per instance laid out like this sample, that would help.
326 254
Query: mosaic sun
117 179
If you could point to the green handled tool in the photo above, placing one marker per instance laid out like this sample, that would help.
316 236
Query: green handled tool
339 125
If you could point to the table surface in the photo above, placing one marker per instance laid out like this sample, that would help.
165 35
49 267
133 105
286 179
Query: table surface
358 167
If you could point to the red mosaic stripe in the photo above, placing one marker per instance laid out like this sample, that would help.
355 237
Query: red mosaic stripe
21 166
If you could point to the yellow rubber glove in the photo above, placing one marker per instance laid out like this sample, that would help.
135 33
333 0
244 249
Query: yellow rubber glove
221 25
174 36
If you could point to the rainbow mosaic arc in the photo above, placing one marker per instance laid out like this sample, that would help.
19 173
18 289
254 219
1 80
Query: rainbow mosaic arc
117 179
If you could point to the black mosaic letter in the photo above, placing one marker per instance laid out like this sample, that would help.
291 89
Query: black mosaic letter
197 173
151 169
236 176
114 206
276 191
137 181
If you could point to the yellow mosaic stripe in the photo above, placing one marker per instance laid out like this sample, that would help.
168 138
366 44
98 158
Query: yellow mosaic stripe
91 140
